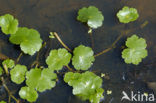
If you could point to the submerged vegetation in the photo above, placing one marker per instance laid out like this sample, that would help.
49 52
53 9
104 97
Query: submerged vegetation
86 84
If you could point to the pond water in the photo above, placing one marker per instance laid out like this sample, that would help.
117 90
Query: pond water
60 16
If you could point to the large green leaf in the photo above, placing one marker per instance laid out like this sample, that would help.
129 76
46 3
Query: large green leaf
9 24
83 57
18 73
87 85
41 80
28 39
136 50
28 93
127 14
91 15
58 58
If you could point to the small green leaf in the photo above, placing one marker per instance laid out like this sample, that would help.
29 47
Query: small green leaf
9 24
18 73
51 35
83 57
136 50
1 71
127 14
58 58
87 85
41 80
28 93
92 16
9 63
28 39
2 102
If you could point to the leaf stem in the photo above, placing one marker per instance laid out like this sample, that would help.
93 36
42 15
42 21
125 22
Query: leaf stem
91 37
69 68
111 47
59 39
7 89
6 69
19 57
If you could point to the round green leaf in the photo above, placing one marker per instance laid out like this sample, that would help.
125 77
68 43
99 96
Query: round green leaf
9 63
28 39
58 58
18 73
9 24
41 80
87 85
136 50
83 57
127 14
28 93
91 15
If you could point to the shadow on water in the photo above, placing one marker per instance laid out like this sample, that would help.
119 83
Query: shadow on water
60 16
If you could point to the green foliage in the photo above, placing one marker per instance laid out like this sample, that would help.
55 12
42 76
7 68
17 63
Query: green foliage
18 73
58 58
136 50
9 63
8 24
28 39
41 80
127 14
1 71
92 16
87 85
83 57
2 102
28 93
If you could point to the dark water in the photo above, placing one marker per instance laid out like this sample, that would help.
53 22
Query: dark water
60 16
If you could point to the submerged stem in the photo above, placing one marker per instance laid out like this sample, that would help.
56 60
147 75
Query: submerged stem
59 39
70 69
19 57
6 69
92 40
7 89
112 46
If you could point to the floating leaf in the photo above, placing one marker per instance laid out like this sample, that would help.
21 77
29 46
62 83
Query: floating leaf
9 63
28 39
127 14
1 71
2 102
18 73
91 15
87 85
83 57
9 24
136 50
28 93
58 58
41 80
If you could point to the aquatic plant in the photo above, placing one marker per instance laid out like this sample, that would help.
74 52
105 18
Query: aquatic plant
83 57
8 24
86 84
127 14
2 102
91 15
136 50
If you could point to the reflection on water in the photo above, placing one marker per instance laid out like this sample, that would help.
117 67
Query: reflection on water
60 16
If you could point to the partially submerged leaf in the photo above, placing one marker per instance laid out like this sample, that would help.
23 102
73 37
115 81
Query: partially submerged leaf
41 80
1 71
18 73
127 14
28 39
83 57
9 63
87 85
28 93
91 15
136 50
58 58
8 24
